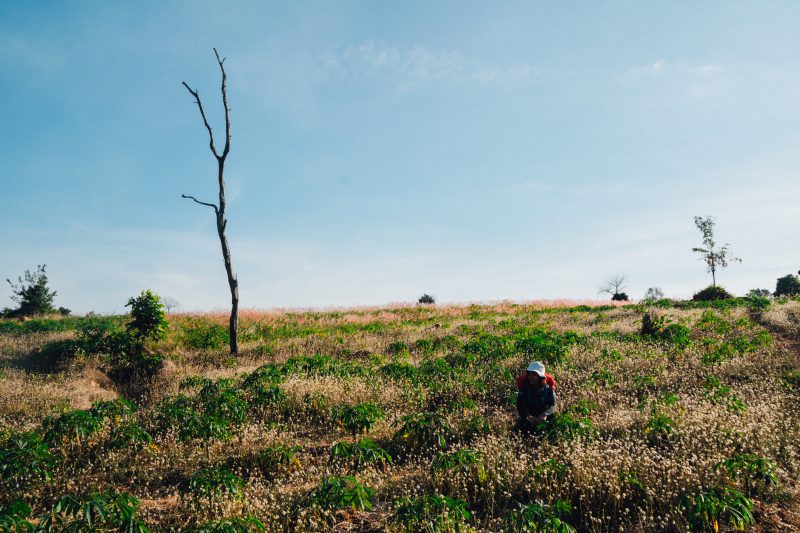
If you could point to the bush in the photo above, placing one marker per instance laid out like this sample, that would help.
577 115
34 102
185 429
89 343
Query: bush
426 299
25 457
422 430
431 513
148 321
14 517
538 516
788 285
32 294
360 453
341 492
215 483
704 511
357 418
99 511
619 297
711 293
279 457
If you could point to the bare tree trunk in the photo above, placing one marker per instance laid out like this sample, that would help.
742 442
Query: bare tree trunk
221 208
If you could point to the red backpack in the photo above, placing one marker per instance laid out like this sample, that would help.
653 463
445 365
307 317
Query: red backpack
548 380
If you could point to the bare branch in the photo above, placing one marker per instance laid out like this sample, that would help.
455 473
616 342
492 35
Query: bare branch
205 121
225 105
199 202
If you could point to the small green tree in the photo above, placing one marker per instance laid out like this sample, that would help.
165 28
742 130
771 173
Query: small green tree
32 294
788 285
715 258
426 299
148 321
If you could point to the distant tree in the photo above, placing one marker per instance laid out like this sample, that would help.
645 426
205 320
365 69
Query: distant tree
426 299
31 294
788 285
614 286
170 304
147 317
715 258
758 293
653 294
221 206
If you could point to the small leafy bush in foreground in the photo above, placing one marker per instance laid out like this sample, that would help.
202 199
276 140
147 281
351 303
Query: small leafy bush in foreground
751 470
422 430
565 427
14 517
360 453
25 457
214 483
537 516
248 524
431 513
74 425
280 456
341 492
704 511
357 418
98 511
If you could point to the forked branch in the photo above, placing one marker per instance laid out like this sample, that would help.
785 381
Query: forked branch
205 120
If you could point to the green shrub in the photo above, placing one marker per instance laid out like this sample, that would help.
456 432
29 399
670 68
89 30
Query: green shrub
418 431
24 457
537 516
148 320
249 524
203 336
359 454
358 418
98 511
464 461
704 511
342 492
213 483
565 427
273 459
14 517
431 513
32 294
74 425
545 345
130 435
400 371
710 293
752 471
426 299
788 285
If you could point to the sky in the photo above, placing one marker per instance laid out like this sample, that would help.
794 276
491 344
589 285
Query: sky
475 151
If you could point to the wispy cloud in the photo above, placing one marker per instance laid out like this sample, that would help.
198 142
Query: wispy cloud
416 66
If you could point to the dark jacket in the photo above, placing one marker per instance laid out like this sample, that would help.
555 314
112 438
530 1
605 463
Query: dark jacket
534 401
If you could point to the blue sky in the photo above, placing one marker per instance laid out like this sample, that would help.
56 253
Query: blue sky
472 150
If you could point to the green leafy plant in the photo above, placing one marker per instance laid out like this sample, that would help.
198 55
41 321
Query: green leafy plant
788 285
431 513
130 435
537 516
249 524
14 517
274 458
361 453
752 471
705 510
98 511
24 457
32 294
464 460
148 320
214 483
550 470
565 427
76 425
417 431
358 418
718 393
342 492
711 293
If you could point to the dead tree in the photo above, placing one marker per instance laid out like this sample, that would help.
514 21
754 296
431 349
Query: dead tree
220 207
614 286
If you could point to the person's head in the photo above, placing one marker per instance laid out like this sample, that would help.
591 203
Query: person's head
536 373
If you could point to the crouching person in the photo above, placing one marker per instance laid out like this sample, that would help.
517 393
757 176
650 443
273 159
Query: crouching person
536 397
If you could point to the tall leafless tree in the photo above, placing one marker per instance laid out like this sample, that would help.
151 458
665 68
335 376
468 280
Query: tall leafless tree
614 286
221 206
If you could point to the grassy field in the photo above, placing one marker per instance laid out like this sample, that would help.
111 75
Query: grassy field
400 419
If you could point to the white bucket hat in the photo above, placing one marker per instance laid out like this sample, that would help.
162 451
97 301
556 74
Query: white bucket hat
537 367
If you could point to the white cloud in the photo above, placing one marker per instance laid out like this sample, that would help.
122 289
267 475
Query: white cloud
412 67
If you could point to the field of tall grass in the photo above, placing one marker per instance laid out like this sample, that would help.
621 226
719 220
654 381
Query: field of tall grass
677 417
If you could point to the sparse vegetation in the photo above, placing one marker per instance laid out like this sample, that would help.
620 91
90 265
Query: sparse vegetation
374 419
